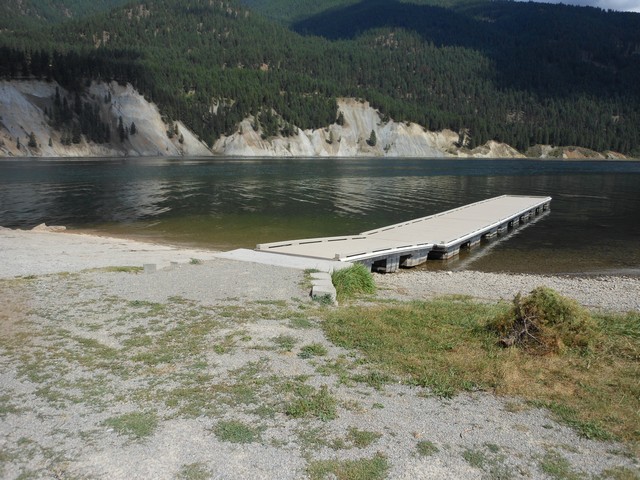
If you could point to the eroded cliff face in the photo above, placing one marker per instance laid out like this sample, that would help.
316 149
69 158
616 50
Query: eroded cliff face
350 139
26 112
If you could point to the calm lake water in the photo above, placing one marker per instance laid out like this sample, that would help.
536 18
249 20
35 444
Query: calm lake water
593 226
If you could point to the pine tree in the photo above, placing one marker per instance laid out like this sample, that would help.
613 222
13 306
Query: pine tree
133 130
33 143
372 139
121 131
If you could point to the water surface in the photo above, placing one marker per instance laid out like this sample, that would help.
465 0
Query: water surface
227 203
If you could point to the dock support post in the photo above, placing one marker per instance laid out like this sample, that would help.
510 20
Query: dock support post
444 254
392 264
475 241
491 233
414 259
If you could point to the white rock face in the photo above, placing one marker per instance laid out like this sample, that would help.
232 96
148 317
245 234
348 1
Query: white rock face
348 140
22 111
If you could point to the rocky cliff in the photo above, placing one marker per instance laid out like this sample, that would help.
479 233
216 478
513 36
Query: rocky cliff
26 123
351 138
26 130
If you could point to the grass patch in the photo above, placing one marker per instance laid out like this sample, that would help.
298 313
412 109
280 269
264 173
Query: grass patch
324 300
134 424
621 473
374 379
301 322
194 471
353 281
438 344
475 458
123 269
235 431
310 402
490 462
307 280
375 468
312 350
570 417
6 406
425 448
362 438
285 343
558 467
444 344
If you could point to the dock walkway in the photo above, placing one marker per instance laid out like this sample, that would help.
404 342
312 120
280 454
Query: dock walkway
411 243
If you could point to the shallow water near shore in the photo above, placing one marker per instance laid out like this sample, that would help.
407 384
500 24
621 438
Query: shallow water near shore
592 227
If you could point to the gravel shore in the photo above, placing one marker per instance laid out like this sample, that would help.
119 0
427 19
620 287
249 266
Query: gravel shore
203 370
608 293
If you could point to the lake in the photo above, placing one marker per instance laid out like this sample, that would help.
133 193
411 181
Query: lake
593 226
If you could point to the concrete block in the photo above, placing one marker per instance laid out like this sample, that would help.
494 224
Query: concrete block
323 290
149 268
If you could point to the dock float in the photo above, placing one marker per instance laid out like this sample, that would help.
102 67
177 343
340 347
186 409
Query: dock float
411 243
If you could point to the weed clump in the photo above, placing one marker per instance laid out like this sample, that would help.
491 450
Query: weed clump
545 322
352 281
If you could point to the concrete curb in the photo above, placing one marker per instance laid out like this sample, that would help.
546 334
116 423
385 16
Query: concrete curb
322 287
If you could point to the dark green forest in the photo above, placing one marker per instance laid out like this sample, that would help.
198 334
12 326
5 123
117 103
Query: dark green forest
520 73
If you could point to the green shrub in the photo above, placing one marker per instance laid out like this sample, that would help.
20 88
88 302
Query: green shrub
352 281
545 322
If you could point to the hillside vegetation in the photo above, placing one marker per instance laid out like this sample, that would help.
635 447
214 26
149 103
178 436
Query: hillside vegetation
519 73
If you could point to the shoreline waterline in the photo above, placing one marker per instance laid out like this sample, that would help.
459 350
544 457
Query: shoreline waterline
29 253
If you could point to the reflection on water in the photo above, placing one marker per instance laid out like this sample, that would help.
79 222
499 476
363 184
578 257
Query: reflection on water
230 203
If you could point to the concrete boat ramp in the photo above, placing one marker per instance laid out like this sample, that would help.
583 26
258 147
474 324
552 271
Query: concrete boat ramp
407 244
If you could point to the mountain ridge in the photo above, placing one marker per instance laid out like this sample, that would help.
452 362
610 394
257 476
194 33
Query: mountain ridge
213 64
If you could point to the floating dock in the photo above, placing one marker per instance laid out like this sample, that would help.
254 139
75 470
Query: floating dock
408 244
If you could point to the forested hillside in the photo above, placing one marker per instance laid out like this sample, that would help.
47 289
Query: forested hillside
520 73
18 14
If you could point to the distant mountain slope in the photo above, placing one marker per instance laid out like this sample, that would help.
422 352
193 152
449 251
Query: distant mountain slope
289 11
551 49
21 13
522 74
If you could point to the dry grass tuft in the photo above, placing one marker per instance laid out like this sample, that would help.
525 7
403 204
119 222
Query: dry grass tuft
545 322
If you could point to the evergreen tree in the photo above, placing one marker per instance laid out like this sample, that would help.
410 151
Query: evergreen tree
121 130
372 139
76 133
33 143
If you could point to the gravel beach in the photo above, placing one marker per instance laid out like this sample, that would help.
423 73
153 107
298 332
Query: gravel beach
204 369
